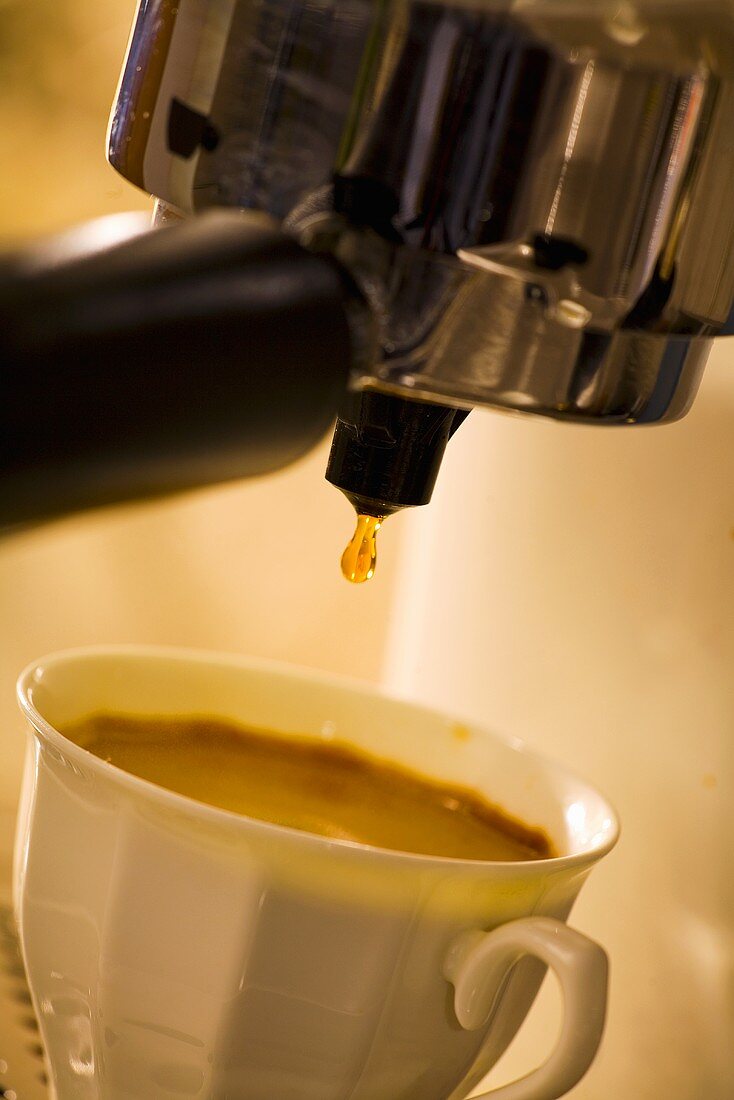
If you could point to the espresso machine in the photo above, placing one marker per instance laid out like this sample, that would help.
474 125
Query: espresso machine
390 212
384 212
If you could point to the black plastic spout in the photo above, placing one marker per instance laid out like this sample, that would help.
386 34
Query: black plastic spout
387 451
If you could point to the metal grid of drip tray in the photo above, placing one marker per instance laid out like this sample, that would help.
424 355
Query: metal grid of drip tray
22 1072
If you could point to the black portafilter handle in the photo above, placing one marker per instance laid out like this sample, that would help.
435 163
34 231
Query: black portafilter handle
213 349
387 451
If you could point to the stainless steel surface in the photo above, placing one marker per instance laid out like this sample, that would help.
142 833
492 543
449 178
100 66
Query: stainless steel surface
22 1071
535 196
481 339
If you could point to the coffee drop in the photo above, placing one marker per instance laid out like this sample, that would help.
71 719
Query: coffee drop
360 557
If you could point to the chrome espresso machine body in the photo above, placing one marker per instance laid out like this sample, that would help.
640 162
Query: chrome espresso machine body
535 198
521 205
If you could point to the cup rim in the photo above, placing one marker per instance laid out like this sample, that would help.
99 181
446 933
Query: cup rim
206 811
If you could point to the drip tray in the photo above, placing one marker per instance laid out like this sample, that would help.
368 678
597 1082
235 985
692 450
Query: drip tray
22 1072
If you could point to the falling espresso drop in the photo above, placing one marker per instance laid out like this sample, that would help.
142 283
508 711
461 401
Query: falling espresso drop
360 557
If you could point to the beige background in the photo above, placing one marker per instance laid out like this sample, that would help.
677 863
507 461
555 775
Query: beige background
252 567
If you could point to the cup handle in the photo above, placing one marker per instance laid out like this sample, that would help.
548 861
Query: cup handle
477 963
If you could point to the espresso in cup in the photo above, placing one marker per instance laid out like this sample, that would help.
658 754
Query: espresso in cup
311 785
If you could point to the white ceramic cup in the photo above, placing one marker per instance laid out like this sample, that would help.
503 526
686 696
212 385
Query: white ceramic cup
178 950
